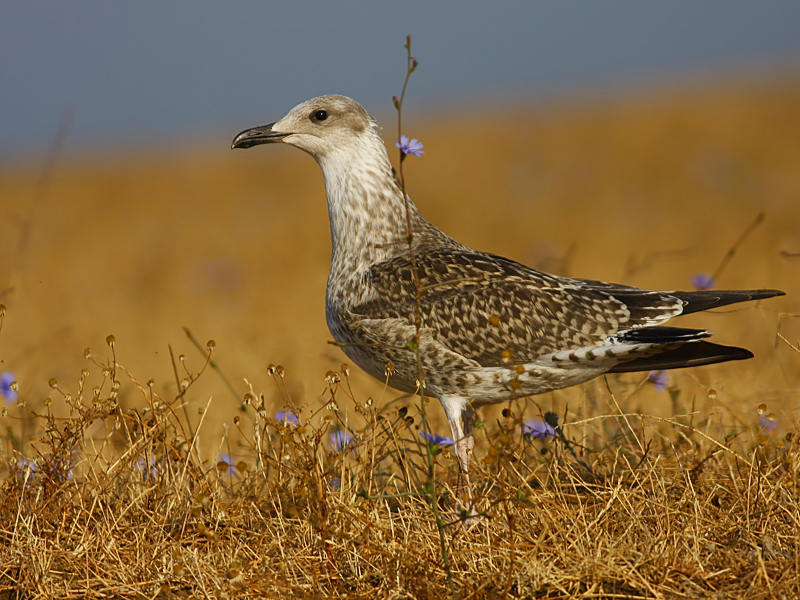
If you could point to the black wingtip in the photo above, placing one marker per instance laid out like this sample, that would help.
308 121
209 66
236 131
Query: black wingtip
663 335
697 301
694 354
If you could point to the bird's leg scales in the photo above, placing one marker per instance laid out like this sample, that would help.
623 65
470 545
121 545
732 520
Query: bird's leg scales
465 504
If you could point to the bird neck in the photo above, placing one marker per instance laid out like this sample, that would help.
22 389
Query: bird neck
369 214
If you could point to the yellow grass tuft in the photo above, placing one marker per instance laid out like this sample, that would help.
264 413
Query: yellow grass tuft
123 503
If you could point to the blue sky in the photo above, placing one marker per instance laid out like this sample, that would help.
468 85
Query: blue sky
179 73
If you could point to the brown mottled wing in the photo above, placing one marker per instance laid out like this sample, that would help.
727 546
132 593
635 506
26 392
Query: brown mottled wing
481 305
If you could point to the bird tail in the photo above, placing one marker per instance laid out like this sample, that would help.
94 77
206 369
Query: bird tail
684 347
687 354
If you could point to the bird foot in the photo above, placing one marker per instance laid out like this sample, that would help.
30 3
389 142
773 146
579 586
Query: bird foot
467 516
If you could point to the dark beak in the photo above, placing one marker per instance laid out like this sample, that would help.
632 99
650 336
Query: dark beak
257 135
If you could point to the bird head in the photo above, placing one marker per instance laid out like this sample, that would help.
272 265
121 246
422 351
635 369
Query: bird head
321 126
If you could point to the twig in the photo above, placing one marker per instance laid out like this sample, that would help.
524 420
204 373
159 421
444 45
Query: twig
732 250
211 362
44 184
415 342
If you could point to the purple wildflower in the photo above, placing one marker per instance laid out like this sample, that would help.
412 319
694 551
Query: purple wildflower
660 379
767 422
410 146
225 465
284 417
23 463
703 281
147 471
340 440
436 439
6 379
538 428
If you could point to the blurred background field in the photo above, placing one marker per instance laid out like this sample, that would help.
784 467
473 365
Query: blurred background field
645 189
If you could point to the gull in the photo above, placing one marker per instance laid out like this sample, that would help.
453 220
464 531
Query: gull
487 329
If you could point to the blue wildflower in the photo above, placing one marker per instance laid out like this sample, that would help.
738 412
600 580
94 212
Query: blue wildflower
436 439
6 379
26 470
660 379
24 463
703 281
284 417
410 146
335 483
225 465
148 471
767 422
340 440
538 428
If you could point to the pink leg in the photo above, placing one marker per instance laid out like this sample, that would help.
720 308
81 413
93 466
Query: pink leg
457 408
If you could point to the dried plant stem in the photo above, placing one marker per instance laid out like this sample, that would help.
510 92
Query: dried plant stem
415 344
732 250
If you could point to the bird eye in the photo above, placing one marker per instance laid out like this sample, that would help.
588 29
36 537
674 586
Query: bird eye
319 115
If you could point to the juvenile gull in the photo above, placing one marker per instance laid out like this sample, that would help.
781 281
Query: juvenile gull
490 328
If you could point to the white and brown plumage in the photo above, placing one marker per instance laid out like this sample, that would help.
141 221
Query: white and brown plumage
490 327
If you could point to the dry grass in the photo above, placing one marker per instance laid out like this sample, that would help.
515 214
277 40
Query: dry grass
187 486
124 503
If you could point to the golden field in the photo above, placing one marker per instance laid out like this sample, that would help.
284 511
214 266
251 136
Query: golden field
647 189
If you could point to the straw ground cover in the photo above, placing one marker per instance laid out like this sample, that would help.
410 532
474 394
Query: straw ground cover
152 465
